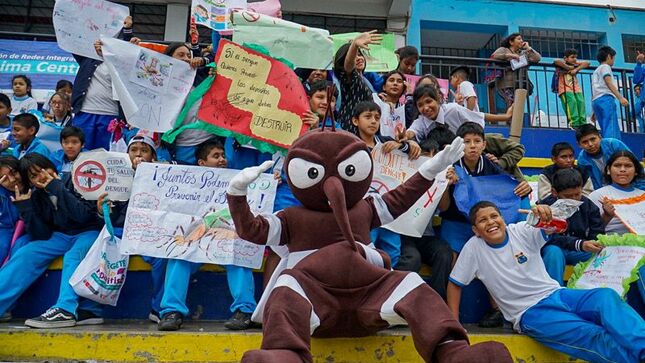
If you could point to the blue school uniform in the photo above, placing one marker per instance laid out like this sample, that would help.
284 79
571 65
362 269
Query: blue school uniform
36 146
594 165
8 218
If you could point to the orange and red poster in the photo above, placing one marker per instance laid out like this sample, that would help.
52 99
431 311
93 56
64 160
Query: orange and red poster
255 96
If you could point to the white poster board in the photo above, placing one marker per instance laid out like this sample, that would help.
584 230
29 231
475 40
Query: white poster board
215 14
150 86
97 172
390 171
181 212
632 213
79 23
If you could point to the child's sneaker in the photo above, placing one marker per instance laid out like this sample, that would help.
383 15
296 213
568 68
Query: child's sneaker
239 321
88 318
171 321
52 318
153 316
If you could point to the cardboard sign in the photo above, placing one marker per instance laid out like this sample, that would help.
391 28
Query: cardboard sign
151 87
255 96
79 23
390 171
631 212
284 39
98 172
215 14
379 58
181 212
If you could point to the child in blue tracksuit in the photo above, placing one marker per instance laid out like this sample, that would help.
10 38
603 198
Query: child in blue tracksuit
605 93
583 228
9 179
240 279
25 128
593 325
5 123
72 139
595 152
58 223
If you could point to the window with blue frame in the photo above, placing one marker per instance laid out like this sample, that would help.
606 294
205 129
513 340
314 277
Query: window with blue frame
552 43
632 43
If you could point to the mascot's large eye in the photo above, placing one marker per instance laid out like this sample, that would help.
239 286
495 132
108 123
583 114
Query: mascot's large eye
356 167
304 174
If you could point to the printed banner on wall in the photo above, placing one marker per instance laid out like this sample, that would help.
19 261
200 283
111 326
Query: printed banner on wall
215 14
631 212
390 171
98 172
181 212
255 96
150 86
79 23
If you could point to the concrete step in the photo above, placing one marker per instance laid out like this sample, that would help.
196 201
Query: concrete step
209 341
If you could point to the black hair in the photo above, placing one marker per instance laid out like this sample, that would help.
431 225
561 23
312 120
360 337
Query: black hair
406 52
430 146
63 83
471 128
318 86
604 52
32 160
27 81
472 214
441 135
425 91
4 99
203 149
10 161
566 179
506 42
365 106
560 147
569 52
435 84
627 154
462 71
27 120
341 54
584 130
72 131
390 74
172 47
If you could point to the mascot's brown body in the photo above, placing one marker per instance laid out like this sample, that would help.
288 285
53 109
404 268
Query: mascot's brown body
333 283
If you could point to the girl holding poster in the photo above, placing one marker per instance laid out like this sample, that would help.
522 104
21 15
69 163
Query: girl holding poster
392 112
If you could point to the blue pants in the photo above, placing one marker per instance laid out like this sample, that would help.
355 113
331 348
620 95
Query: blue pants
95 129
158 273
388 241
185 155
6 234
240 284
593 325
32 259
555 259
455 233
607 115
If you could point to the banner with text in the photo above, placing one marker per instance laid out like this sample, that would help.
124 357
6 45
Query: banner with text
181 212
97 172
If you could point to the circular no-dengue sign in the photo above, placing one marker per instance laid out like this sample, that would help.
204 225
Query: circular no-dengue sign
89 176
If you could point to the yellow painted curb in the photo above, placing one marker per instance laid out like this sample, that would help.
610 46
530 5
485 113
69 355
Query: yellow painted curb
222 347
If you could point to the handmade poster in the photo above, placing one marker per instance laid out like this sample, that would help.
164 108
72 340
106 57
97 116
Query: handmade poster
631 212
215 14
97 172
284 39
151 87
379 58
254 96
392 119
615 267
79 23
181 212
390 171
267 7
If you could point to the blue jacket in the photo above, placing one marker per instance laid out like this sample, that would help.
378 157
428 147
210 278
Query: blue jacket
8 212
584 225
58 208
639 77
36 146
59 159
86 69
586 161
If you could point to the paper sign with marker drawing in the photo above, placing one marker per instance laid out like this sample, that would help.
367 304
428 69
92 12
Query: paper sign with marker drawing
255 96
215 14
379 58
98 172
631 212
181 212
390 171
303 46
79 23
150 86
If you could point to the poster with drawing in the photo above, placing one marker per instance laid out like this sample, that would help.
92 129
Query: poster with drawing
215 14
99 171
151 87
392 118
79 23
631 212
390 171
181 212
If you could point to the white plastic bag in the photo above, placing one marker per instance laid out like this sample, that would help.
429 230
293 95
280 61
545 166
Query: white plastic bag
101 274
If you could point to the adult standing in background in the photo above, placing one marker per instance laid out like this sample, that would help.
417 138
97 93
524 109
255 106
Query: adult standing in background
513 48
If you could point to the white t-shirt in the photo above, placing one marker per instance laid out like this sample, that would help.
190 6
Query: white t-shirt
614 192
22 104
599 87
98 99
451 115
513 272
390 118
467 90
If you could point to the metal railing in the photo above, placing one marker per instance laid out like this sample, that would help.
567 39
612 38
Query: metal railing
543 107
